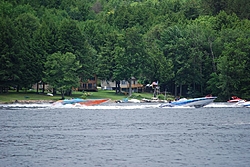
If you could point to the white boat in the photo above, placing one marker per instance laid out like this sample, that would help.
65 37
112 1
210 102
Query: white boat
195 102
243 103
126 100
246 104
234 99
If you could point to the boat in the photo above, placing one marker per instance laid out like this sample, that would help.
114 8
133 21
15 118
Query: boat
234 99
78 101
195 102
246 104
243 103
126 100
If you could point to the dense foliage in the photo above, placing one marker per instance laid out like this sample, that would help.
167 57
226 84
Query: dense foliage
191 47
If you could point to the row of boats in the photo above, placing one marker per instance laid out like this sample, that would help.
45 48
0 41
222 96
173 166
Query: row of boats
203 101
183 102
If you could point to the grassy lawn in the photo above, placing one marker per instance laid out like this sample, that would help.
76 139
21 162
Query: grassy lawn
111 95
101 94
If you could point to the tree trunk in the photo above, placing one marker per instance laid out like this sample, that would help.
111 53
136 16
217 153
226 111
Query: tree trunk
180 90
130 88
212 54
17 88
43 87
54 91
62 93
117 87
175 90
37 87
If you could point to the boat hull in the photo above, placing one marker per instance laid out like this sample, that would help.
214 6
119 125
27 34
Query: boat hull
243 103
196 102
82 102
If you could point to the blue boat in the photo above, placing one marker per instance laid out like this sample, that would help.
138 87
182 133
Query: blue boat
72 101
78 101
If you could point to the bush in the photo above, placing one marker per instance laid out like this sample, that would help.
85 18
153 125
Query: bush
161 97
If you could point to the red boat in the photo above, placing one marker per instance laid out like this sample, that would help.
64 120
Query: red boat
83 102
234 99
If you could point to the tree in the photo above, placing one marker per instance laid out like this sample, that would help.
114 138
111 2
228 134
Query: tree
174 46
70 39
29 58
157 67
61 71
106 61
234 69
129 56
8 60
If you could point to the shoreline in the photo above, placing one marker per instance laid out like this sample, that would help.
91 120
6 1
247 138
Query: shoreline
34 102
29 102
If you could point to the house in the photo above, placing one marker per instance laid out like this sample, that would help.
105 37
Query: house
111 85
89 85
40 86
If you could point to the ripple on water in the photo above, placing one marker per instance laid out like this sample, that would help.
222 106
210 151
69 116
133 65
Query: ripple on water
134 136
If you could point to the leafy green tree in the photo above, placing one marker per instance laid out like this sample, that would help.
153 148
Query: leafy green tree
29 59
230 49
70 39
61 71
213 6
191 9
8 60
157 67
240 7
233 68
106 60
175 48
129 56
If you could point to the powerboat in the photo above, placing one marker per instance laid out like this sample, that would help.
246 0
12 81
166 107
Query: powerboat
234 99
126 100
238 102
246 104
78 101
71 101
195 102
243 103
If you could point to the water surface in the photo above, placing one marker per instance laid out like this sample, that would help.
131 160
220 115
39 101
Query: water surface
125 135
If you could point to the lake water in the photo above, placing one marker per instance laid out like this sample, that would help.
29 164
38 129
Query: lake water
124 135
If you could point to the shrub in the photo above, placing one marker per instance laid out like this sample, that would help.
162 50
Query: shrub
161 97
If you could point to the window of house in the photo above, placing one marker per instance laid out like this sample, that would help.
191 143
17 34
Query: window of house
89 86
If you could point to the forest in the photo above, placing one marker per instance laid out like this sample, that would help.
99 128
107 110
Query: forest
191 47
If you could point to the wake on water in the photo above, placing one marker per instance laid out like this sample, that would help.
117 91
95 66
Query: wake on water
106 106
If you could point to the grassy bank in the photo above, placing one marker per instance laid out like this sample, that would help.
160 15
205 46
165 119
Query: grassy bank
101 94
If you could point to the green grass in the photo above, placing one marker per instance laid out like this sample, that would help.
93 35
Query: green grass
111 95
101 94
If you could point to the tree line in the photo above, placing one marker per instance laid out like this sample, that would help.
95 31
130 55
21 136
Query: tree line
191 47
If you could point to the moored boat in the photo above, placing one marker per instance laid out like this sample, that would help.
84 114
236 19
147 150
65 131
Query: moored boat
195 102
